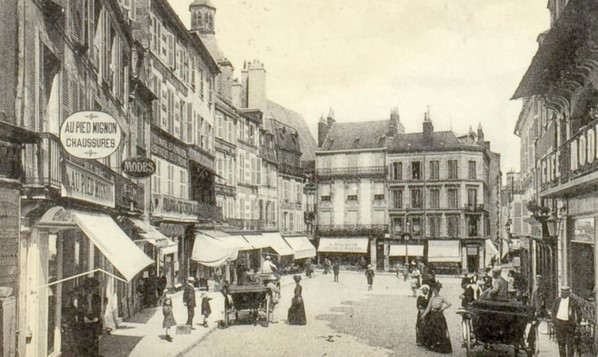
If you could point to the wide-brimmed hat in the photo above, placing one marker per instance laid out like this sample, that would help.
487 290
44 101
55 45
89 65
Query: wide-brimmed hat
565 289
497 270
425 287
191 279
268 257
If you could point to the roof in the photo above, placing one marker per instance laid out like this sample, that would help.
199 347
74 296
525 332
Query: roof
356 135
209 40
295 120
285 136
441 141
207 3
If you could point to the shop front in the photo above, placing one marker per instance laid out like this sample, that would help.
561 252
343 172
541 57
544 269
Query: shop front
302 247
444 255
348 251
404 253
581 251
279 250
228 270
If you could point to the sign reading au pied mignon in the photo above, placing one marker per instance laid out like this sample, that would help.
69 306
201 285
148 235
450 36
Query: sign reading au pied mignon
138 166
90 135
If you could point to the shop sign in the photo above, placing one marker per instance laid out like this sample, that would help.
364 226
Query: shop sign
200 157
472 250
9 236
85 185
524 242
129 196
90 135
138 166
167 206
169 150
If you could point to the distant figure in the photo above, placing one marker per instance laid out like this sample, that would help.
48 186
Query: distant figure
308 268
488 278
206 310
267 266
189 300
472 292
566 315
296 314
169 320
243 278
327 266
405 271
275 296
511 284
369 274
336 270
398 269
539 295
161 287
500 287
465 281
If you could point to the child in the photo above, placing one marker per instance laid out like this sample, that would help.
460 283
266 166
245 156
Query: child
168 317
205 308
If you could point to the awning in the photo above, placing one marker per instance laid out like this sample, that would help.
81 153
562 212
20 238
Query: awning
211 252
116 246
169 248
147 231
343 245
278 244
302 247
402 250
491 251
237 242
257 241
444 251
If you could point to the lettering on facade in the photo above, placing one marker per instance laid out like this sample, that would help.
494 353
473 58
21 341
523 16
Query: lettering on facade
175 207
139 166
168 150
90 135
9 236
82 184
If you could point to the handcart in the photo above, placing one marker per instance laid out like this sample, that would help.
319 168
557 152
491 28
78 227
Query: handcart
253 299
486 323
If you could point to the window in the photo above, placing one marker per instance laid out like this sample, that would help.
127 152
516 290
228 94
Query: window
397 170
157 178
433 226
397 198
378 217
325 192
472 198
472 170
183 184
452 226
351 218
378 191
453 169
291 222
352 160
416 170
241 167
351 192
299 192
472 227
416 198
434 170
397 224
170 190
453 197
416 228
434 198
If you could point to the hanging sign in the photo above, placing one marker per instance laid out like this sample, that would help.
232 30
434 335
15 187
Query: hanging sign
138 166
90 135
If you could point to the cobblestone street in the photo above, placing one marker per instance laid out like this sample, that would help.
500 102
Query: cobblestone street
345 319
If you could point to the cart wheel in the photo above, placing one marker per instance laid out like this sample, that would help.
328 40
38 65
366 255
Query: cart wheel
466 326
268 310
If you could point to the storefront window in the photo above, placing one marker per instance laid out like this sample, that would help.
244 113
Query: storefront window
581 257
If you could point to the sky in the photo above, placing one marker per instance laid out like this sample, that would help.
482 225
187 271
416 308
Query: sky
462 58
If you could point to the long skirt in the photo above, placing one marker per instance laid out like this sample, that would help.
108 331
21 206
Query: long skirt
436 336
419 329
296 315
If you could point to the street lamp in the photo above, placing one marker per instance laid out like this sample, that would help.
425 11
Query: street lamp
406 238
508 239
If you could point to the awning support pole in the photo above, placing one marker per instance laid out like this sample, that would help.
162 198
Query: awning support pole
79 275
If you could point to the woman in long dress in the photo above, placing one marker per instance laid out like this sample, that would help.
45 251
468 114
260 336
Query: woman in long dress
436 335
421 304
296 315
169 320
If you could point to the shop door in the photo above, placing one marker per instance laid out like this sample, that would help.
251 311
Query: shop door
473 259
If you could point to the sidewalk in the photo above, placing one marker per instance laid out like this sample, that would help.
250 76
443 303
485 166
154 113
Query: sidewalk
143 335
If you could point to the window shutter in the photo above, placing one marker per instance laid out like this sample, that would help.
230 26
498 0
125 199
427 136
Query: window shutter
66 106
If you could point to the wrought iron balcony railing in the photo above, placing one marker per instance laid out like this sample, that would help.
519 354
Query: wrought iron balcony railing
366 171
42 163
352 229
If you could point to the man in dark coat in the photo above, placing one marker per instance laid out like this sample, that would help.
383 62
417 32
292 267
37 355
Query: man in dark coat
566 315
189 300
90 318
500 287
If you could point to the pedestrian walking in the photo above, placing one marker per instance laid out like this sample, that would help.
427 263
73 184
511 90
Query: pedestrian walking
405 271
398 269
161 287
566 315
189 300
336 270
369 274
89 311
274 292
308 268
206 310
421 303
436 336
169 320
414 281
296 314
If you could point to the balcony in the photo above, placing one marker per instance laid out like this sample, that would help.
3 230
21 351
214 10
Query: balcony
265 225
223 190
340 172
352 229
473 208
244 224
209 212
42 164
289 169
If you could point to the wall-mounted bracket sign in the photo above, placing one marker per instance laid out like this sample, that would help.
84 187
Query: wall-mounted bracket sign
90 135
138 166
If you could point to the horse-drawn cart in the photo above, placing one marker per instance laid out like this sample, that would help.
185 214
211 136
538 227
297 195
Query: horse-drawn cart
251 299
502 323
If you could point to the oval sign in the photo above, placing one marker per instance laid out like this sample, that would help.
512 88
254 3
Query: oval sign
90 135
138 166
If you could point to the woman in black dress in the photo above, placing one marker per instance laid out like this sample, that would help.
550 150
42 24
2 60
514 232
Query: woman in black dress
422 304
436 335
296 315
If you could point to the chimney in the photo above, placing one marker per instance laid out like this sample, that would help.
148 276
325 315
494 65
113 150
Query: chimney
237 93
322 131
256 85
480 136
428 127
244 75
330 118
226 80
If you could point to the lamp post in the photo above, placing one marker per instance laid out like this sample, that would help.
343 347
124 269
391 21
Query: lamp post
508 239
406 238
